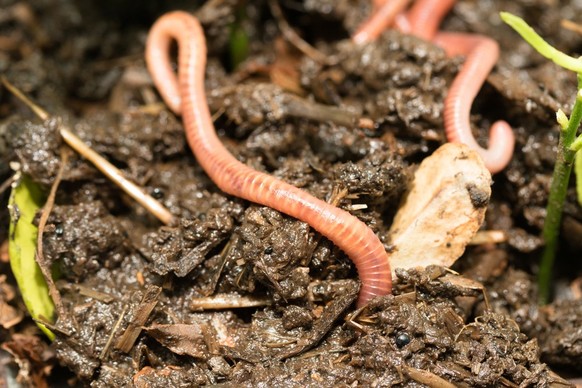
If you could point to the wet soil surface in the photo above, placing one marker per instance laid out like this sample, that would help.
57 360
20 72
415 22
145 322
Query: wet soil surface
241 295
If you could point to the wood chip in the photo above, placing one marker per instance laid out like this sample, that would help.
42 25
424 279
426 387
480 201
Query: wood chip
184 339
9 315
228 301
141 315
443 210
427 378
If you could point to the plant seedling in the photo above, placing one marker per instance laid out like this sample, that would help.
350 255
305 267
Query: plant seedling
568 146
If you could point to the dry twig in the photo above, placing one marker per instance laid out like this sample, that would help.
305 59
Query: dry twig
293 37
109 170
44 265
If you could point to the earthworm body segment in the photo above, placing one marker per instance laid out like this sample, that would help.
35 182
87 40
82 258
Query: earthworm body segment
185 95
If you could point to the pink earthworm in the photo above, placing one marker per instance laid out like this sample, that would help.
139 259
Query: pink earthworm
481 55
425 17
185 94
382 18
378 3
401 21
423 20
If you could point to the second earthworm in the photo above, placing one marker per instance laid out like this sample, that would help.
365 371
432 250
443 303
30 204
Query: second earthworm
481 55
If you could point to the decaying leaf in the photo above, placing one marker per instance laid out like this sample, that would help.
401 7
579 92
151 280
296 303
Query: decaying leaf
443 210
9 315
34 358
25 200
181 338
142 313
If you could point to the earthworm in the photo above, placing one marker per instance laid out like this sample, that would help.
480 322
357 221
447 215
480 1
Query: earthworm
424 18
382 17
378 3
185 94
481 55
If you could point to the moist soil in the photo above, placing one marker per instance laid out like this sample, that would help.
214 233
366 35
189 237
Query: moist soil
238 294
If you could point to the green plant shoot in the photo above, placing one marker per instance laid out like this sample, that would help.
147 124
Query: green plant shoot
238 40
538 43
568 147
25 200
578 171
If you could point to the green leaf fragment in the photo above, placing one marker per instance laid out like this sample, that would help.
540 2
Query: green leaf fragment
562 119
25 200
541 46
239 41
576 144
578 172
238 44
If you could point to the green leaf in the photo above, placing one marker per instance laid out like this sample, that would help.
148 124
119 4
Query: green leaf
562 119
238 41
578 172
25 200
541 46
239 46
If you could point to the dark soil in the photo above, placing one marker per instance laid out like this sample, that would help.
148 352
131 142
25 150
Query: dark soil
144 301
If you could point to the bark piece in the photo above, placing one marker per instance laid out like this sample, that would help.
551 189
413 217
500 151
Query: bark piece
443 210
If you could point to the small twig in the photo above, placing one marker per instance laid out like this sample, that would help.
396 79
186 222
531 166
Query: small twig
228 301
41 113
352 321
44 265
299 107
109 170
6 184
292 36
111 335
54 328
134 191
140 316
318 352
508 383
220 267
323 325
572 26
489 237
93 294
427 378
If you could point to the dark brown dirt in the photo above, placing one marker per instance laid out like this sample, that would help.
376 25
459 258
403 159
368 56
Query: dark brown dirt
134 289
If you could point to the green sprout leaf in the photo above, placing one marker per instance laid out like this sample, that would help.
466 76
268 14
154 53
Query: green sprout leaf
562 119
25 200
538 43
578 172
239 46
238 41
576 145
